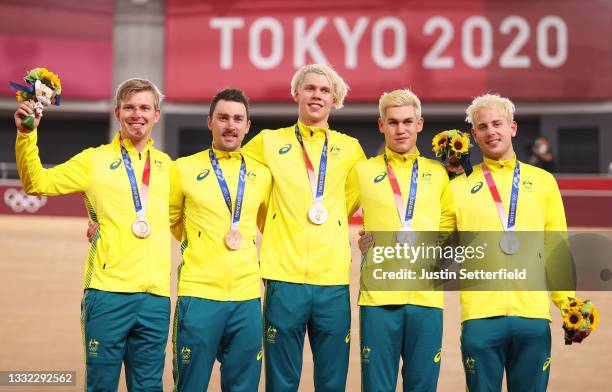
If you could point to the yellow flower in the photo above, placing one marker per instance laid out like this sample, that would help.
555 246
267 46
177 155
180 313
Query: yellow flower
52 79
439 141
574 303
459 145
22 96
573 319
594 319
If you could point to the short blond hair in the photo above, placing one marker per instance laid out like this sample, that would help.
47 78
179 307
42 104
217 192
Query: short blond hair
505 106
397 98
136 85
339 88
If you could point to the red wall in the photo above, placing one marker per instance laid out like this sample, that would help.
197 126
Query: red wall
443 49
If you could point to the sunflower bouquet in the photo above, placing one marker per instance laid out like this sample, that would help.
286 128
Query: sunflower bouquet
44 88
452 148
580 318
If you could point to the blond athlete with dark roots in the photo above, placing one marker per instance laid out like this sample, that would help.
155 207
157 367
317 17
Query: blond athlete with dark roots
401 192
505 330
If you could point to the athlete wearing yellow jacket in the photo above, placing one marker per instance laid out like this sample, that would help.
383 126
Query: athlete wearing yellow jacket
125 308
380 212
209 269
540 208
218 311
303 247
305 259
505 330
395 321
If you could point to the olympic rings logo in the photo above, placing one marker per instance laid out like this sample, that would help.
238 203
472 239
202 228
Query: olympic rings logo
19 201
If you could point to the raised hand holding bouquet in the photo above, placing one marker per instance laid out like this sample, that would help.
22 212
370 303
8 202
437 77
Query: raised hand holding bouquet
44 88
452 148
580 318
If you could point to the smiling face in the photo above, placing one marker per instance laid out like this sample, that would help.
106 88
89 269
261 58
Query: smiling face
228 124
400 127
315 99
137 116
494 132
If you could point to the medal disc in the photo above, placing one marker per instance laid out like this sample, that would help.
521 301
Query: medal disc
233 239
317 214
509 243
141 228
406 236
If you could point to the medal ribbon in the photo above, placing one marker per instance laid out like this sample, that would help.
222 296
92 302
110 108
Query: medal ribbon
319 185
140 199
225 189
407 213
508 221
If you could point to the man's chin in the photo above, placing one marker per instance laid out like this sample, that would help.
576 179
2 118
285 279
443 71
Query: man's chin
401 148
493 154
136 136
317 117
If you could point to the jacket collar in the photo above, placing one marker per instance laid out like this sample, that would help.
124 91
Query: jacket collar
129 145
230 155
309 132
399 159
500 166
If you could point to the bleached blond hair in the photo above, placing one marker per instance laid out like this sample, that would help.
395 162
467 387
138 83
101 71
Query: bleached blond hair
397 98
339 88
505 106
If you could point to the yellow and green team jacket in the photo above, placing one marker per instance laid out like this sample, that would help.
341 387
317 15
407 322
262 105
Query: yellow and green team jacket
540 208
294 249
380 212
201 219
117 260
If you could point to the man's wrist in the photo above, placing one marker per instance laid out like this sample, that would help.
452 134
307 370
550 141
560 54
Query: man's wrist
25 130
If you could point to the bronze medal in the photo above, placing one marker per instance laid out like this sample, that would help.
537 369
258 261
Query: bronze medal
141 228
233 239
317 214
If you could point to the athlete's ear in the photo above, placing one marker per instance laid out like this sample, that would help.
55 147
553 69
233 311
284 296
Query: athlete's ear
295 94
248 127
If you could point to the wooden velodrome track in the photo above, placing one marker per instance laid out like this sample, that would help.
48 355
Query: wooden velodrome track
41 266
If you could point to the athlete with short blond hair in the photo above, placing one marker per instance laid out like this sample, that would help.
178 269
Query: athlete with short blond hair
505 330
401 193
305 252
125 184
